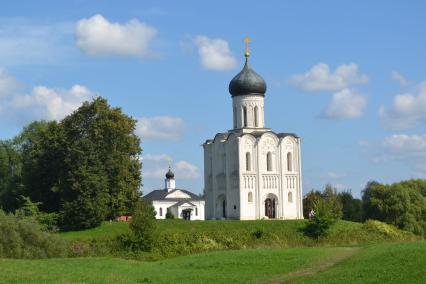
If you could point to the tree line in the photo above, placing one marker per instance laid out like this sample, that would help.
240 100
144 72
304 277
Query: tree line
402 204
83 169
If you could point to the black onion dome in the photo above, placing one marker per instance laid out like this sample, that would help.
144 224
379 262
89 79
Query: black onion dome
247 82
170 174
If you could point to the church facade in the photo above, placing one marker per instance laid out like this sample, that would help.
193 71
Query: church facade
250 171
181 203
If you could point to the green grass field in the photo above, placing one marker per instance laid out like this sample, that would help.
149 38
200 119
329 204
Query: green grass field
382 263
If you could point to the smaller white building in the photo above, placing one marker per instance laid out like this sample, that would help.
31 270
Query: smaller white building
181 203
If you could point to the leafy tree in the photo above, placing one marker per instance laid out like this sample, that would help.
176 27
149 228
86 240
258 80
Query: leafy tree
351 207
400 204
85 167
42 148
108 136
101 170
329 195
324 217
143 226
327 210
10 176
309 201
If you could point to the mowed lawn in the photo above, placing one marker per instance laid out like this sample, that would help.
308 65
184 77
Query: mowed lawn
382 263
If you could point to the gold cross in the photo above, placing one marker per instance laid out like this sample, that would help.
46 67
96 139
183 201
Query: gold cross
247 40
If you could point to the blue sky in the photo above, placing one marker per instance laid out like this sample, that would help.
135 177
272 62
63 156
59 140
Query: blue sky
349 77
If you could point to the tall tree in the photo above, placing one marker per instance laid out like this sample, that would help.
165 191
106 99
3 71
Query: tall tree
102 172
10 176
401 204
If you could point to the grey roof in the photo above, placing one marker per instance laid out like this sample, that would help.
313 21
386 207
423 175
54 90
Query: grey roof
247 82
183 202
225 136
160 194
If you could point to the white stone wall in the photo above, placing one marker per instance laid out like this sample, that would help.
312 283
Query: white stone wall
177 211
226 176
250 102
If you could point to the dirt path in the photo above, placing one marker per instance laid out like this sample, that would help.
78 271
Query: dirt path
316 267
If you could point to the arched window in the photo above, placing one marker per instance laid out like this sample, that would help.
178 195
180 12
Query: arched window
161 211
235 117
256 118
245 116
289 162
248 162
250 197
290 197
269 162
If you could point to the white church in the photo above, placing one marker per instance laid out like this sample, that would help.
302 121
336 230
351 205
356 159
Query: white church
251 172
179 202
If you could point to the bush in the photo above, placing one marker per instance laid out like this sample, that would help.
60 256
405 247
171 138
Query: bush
142 228
48 221
169 215
325 216
23 237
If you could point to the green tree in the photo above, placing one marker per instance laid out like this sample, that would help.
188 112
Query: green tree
102 138
143 227
400 204
42 148
351 207
309 201
11 186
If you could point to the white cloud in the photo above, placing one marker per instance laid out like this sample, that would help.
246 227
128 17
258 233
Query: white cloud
399 78
156 166
408 149
41 103
25 42
319 78
408 110
186 170
345 104
8 83
160 128
96 36
403 145
215 54
161 157
334 175
46 103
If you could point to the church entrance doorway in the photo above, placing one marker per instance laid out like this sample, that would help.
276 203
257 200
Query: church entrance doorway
221 207
271 207
186 214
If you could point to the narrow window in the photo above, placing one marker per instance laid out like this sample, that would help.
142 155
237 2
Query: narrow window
196 211
269 162
256 119
250 197
235 117
245 116
248 162
289 162
290 197
161 211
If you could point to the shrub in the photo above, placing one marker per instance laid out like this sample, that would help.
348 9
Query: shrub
142 228
258 234
23 237
325 216
169 214
48 221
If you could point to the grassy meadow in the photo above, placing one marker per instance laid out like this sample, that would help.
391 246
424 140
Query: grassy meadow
261 251
382 263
